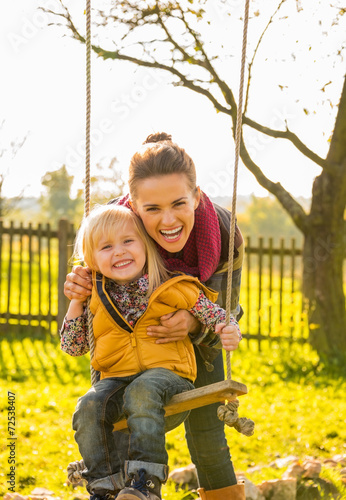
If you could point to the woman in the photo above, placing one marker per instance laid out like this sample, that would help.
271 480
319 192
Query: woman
192 235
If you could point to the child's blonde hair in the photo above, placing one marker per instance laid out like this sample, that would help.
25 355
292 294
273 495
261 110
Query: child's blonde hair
106 219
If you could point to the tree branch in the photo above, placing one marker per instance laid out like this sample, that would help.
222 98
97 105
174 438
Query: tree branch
184 81
179 48
291 205
108 54
337 149
287 134
226 91
206 64
255 53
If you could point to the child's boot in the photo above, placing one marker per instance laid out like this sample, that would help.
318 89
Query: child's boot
235 492
141 486
98 496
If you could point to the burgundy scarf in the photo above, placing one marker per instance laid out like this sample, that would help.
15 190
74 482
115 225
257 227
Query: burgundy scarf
201 253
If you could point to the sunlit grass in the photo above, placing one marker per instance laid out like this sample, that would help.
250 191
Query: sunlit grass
298 406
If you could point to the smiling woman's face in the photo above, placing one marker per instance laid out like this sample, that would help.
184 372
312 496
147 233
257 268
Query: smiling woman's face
167 207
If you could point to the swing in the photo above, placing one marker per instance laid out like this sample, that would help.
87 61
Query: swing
218 392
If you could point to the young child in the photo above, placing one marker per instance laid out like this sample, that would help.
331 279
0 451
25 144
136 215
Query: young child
131 291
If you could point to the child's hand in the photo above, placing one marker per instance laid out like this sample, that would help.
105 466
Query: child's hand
75 309
230 336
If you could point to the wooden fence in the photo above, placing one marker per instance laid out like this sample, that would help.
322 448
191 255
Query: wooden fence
34 262
271 292
33 267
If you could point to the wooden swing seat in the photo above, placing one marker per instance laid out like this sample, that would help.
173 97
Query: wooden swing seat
209 394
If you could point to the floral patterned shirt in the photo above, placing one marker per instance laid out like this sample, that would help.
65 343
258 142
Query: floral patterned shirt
132 300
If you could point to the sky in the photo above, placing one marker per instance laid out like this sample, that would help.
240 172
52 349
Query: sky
42 98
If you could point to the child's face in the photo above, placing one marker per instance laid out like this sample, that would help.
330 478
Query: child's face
121 255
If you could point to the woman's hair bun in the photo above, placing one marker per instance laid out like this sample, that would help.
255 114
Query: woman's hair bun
158 137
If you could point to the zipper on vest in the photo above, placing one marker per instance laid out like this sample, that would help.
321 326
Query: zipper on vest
133 339
136 351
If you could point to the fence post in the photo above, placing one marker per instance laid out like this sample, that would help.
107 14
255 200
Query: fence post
63 238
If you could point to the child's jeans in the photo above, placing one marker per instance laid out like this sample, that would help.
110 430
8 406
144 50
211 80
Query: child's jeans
142 398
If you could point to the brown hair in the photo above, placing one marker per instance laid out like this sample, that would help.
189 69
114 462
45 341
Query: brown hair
106 220
159 156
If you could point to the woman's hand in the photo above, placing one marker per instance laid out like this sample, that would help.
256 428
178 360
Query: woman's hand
78 284
174 326
230 336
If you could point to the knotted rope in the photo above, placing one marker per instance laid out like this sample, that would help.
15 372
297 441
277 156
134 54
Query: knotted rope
228 413
74 471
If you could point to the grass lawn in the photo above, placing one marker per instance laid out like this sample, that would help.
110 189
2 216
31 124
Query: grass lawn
299 407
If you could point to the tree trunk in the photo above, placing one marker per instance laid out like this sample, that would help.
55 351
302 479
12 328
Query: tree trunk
324 249
323 256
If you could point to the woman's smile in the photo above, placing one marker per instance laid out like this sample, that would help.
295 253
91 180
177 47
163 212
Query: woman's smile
172 234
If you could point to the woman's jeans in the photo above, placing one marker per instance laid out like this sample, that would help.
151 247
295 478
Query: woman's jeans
205 434
141 398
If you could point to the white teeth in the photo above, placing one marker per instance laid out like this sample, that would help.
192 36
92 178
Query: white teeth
171 233
122 264
170 237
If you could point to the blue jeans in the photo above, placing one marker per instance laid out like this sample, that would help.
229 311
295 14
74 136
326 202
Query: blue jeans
141 398
204 434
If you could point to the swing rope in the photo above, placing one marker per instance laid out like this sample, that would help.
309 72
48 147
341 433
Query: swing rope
229 412
235 181
93 373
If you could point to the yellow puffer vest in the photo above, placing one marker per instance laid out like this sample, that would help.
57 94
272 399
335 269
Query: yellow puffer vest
121 350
